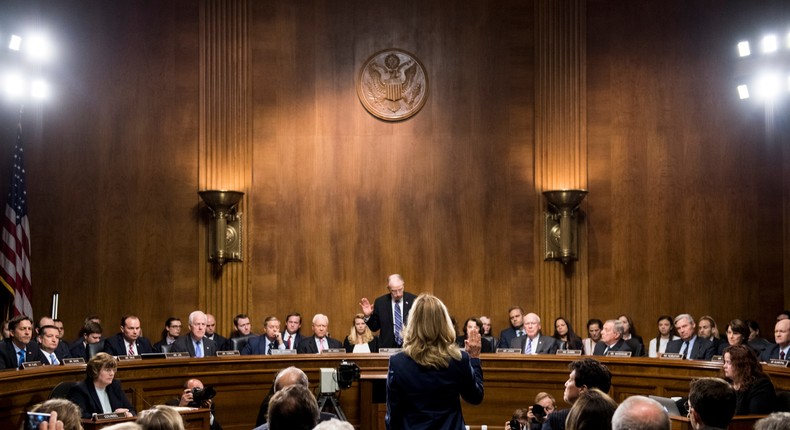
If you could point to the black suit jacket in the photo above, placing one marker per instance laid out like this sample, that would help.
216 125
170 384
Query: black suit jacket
185 344
506 336
308 346
702 349
768 354
257 346
373 345
485 344
115 345
621 345
9 359
382 318
221 342
84 395
298 338
58 353
78 350
546 344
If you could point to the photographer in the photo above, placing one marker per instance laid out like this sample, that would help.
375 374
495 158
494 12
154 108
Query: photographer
532 418
195 395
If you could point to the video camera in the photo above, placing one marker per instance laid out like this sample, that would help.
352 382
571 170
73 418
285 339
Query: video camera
202 395
347 373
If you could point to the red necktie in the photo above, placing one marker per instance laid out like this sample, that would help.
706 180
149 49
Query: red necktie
781 355
131 349
290 339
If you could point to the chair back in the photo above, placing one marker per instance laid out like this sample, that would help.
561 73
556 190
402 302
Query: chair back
238 343
94 348
61 391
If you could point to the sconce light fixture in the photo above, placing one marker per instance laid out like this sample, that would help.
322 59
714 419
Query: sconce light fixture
561 227
224 239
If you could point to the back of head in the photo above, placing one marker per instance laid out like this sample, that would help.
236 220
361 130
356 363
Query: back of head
429 338
593 410
713 401
334 424
161 417
591 373
293 408
775 421
68 412
290 376
640 413
129 425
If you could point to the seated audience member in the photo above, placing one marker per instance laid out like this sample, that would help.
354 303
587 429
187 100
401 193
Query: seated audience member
534 342
594 327
6 333
129 341
333 424
711 403
775 421
124 426
566 337
286 377
516 329
707 329
640 413
211 333
360 339
665 333
100 392
754 391
292 335
195 342
781 350
586 374
690 345
62 349
191 388
88 319
488 331
91 333
48 341
242 325
61 328
785 314
170 333
67 412
611 339
521 415
319 341
473 324
593 410
269 340
16 350
293 408
756 341
526 416
630 337
737 334
160 417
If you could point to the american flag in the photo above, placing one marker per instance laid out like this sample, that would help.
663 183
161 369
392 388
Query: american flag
15 247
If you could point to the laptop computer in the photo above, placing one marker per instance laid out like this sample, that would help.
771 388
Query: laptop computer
668 404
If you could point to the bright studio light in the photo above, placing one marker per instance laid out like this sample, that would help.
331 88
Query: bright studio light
39 89
743 49
15 43
770 44
39 48
768 86
743 92
13 85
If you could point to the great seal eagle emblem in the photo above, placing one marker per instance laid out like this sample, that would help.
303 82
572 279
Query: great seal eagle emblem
392 85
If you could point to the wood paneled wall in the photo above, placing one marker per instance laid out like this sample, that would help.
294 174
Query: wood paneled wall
686 194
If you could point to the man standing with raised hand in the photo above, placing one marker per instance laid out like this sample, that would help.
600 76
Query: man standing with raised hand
389 313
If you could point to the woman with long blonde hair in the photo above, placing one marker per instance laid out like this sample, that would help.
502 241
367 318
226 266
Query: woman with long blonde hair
432 373
361 339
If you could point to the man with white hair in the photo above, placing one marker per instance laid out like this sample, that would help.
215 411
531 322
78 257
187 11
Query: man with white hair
319 341
611 338
195 342
782 337
640 413
534 342
690 345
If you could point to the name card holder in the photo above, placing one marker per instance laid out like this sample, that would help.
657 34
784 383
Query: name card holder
73 361
110 416
719 358
129 357
334 351
618 354
177 355
390 351
777 362
671 356
283 351
569 352
227 353
31 364
508 351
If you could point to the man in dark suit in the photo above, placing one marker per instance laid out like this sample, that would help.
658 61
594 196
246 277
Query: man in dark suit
16 350
781 350
211 333
48 341
195 342
285 378
128 341
389 312
91 333
292 335
269 340
319 341
516 329
611 338
534 342
586 374
690 345
62 349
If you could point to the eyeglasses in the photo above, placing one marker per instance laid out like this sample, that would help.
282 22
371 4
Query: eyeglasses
688 408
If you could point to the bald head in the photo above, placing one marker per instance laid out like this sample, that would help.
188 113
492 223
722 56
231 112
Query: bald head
290 376
640 413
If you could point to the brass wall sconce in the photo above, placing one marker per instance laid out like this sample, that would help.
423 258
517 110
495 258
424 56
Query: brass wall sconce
224 239
561 228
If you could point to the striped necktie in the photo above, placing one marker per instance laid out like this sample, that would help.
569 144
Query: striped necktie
529 346
398 323
53 359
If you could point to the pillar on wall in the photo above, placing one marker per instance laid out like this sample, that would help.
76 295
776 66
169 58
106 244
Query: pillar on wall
560 149
225 149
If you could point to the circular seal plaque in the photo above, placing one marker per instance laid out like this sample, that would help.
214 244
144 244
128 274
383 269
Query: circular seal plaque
392 85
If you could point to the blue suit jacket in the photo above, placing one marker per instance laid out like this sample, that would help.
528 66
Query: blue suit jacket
84 395
9 359
257 346
420 398
116 346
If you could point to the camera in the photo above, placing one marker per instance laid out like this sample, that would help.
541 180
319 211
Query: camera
514 424
539 412
201 395
34 419
347 373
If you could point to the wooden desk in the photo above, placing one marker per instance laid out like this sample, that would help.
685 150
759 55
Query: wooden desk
745 422
196 419
511 381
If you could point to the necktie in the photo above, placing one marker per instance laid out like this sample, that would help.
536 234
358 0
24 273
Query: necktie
290 337
21 355
269 350
323 344
781 355
131 349
198 349
605 350
685 347
529 347
53 359
398 323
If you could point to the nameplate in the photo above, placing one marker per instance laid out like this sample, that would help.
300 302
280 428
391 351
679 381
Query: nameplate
777 362
569 352
110 416
129 357
719 358
177 355
227 353
671 356
283 351
508 351
334 351
390 351
618 354
73 361
31 364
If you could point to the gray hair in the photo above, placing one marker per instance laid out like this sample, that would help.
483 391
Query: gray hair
618 326
640 413
334 424
686 317
775 421
294 375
